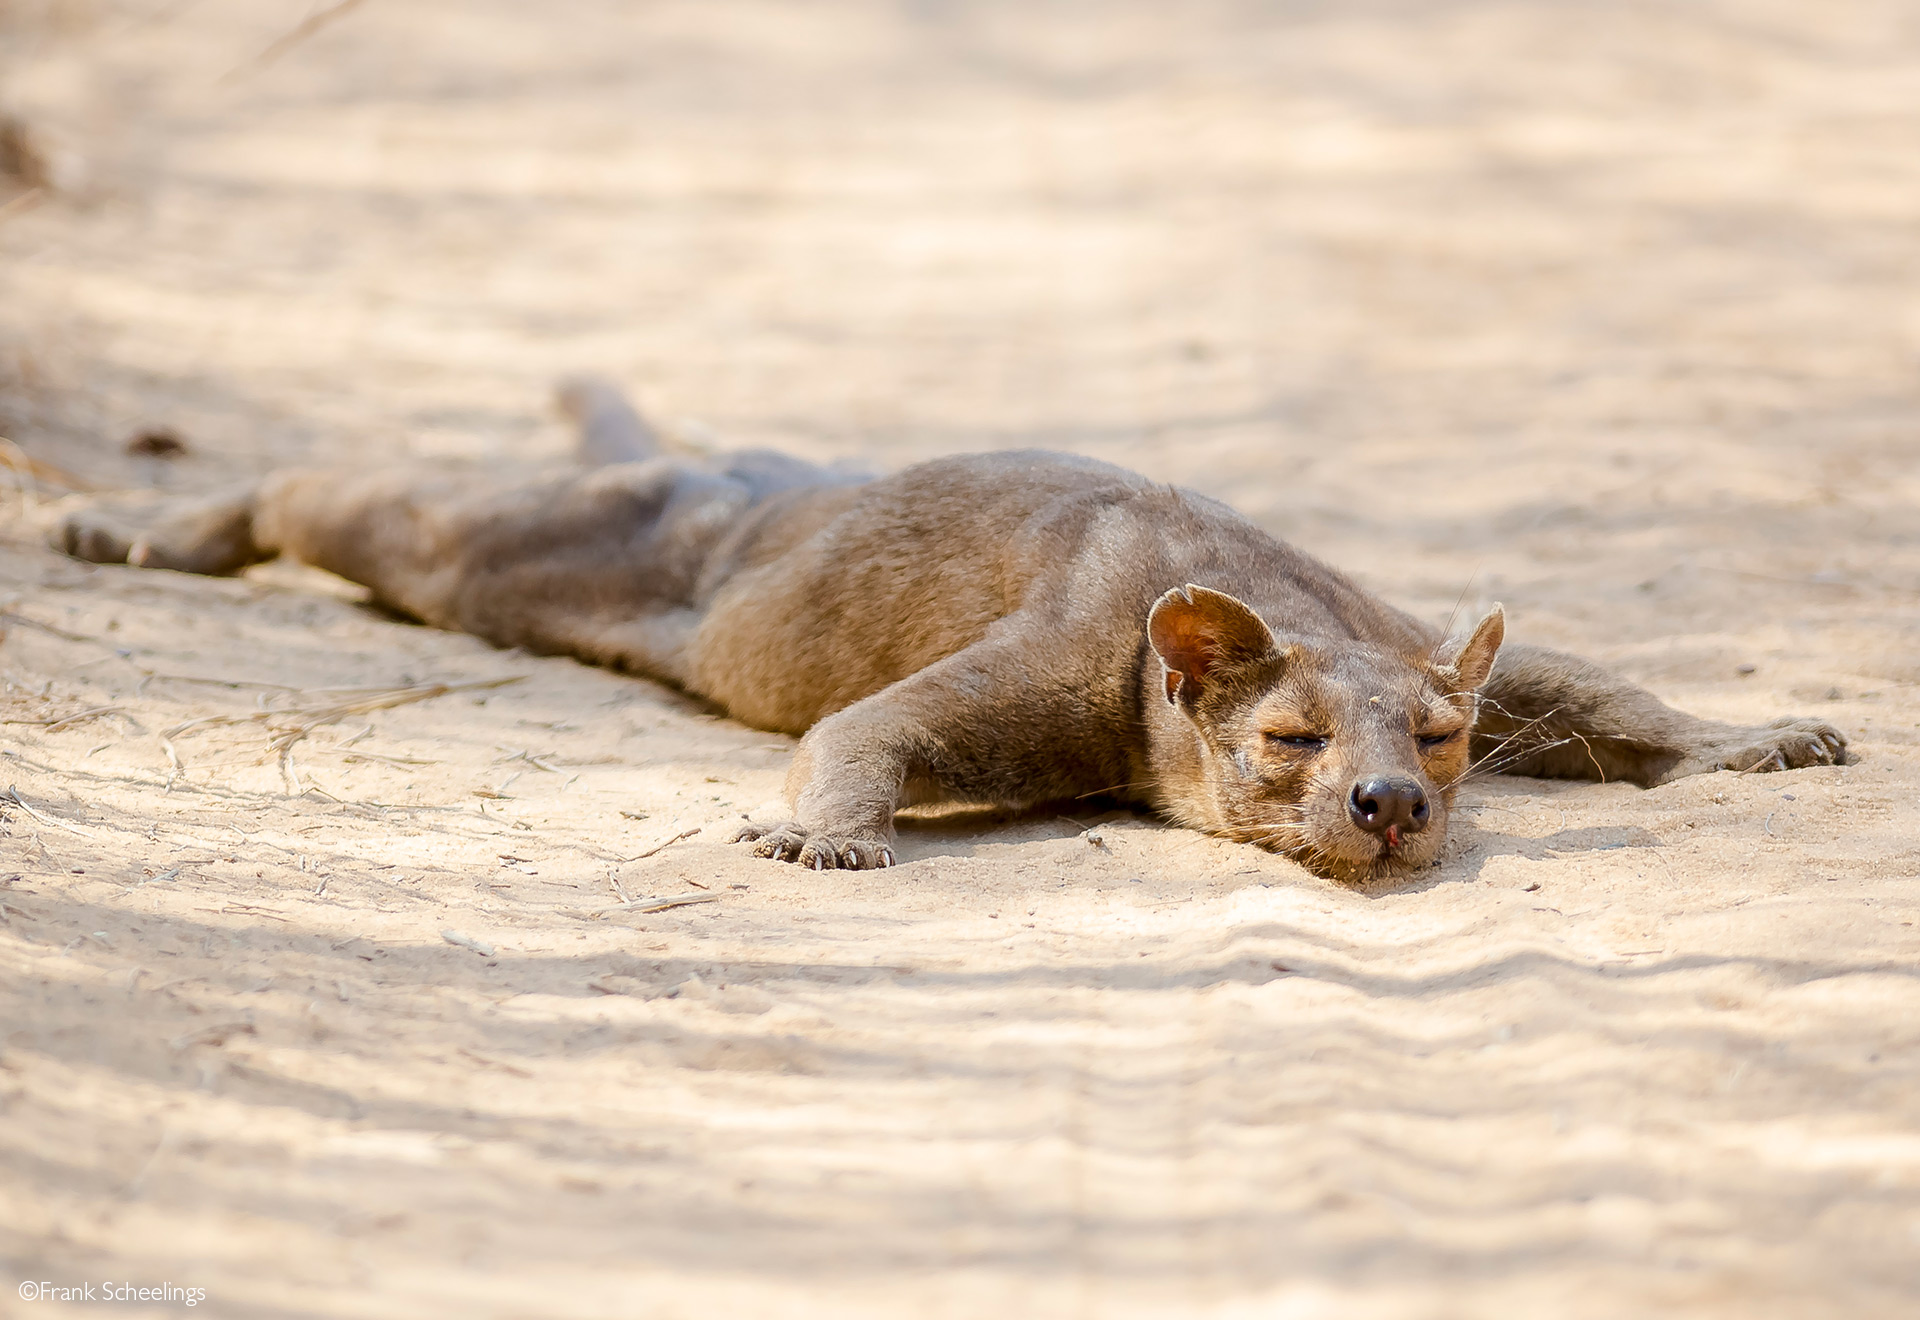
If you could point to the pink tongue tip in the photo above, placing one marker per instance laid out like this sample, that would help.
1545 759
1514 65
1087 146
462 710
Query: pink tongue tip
1393 836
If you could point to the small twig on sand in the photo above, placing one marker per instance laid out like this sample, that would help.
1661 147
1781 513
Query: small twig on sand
21 204
218 1034
536 761
305 719
661 904
307 26
376 758
250 909
662 847
54 726
515 1069
13 795
209 681
174 767
26 465
10 617
159 1149
480 947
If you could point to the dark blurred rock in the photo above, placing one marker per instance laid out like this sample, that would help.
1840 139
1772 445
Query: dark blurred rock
21 157
157 442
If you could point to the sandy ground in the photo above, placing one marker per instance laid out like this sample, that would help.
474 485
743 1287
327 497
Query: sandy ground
1607 312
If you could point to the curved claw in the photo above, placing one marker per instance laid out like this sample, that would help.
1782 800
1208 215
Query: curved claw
1790 743
782 843
789 842
863 855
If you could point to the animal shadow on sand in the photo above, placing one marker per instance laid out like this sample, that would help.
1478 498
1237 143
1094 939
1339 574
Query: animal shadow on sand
967 831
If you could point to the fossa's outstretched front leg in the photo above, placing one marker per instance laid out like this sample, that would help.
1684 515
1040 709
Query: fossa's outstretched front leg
1560 717
982 725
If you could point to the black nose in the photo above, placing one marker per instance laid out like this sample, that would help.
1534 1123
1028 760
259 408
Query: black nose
1378 804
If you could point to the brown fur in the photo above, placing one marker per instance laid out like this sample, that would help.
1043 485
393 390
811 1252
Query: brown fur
1008 628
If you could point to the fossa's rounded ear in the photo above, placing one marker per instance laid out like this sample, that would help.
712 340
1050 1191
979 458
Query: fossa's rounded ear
1196 632
1468 663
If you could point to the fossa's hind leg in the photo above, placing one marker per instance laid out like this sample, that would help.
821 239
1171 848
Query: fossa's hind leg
207 534
601 564
215 534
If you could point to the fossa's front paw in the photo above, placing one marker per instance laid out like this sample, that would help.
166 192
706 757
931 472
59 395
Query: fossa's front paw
790 842
1785 744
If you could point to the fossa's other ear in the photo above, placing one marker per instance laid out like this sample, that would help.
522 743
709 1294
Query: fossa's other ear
1467 664
1197 632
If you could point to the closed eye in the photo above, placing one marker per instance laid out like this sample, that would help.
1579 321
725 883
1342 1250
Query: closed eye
1438 739
1306 741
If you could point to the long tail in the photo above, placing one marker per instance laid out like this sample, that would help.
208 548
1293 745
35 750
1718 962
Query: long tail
611 431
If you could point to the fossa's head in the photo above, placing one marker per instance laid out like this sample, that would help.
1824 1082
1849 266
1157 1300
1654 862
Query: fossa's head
1342 755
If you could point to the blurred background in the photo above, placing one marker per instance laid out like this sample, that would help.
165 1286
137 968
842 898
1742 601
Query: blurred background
1104 225
1465 266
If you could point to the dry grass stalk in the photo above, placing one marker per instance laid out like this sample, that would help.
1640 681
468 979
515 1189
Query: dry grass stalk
13 795
309 25
662 904
515 1069
311 710
67 721
218 1034
662 847
20 205
480 947
8 616
27 470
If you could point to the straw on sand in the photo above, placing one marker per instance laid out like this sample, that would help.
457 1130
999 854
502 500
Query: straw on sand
307 711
